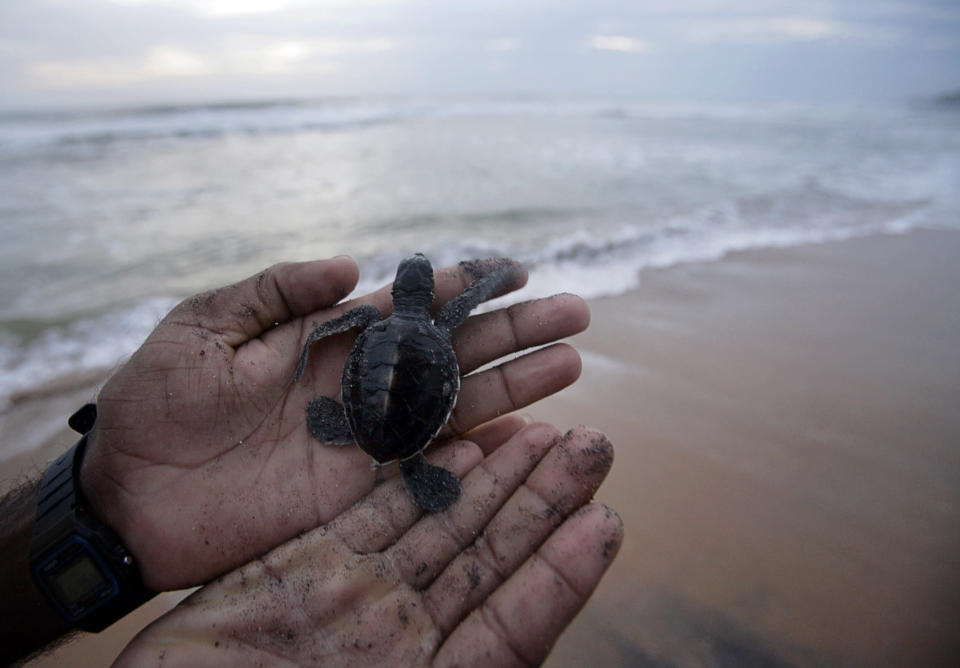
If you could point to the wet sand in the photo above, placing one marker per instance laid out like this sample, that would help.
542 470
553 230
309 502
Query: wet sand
788 461
787 429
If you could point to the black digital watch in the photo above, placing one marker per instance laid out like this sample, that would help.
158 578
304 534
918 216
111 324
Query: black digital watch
79 563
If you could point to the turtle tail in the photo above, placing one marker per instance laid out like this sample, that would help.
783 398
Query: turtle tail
432 488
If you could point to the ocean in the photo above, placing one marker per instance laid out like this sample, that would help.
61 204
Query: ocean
110 217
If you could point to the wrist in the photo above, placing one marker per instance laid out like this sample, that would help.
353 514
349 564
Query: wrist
30 621
77 561
103 497
96 495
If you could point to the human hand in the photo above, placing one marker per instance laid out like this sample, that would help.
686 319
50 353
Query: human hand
200 459
491 581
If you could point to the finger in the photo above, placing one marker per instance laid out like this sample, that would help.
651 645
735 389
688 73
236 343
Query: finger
512 385
565 480
519 623
244 310
427 547
451 281
384 517
387 512
489 336
495 433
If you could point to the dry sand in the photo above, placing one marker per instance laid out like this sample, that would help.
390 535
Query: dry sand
788 461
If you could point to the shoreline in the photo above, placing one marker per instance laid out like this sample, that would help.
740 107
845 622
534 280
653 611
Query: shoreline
785 428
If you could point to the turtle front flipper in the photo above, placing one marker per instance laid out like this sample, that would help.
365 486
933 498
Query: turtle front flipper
494 278
327 422
361 316
433 488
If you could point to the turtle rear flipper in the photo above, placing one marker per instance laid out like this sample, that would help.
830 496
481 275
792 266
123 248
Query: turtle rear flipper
433 488
327 422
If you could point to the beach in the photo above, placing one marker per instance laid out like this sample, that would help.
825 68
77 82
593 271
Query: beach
787 460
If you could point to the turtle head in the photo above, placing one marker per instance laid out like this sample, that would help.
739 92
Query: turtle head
413 287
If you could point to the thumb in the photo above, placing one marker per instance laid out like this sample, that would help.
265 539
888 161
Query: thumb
244 310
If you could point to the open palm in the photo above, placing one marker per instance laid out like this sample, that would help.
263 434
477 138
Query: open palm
200 459
491 581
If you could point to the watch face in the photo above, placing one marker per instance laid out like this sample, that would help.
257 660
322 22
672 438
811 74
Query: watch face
76 578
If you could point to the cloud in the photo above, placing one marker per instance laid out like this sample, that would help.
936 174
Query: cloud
940 43
502 45
338 47
218 8
230 57
619 43
774 29
118 51
158 62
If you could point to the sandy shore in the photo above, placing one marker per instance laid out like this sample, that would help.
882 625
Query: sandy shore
787 425
788 461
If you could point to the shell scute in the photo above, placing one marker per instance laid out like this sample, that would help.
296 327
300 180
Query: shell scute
399 386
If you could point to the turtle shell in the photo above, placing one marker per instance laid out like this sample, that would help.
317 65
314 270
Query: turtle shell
399 385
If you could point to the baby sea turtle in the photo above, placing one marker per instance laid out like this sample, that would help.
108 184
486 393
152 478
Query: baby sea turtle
401 379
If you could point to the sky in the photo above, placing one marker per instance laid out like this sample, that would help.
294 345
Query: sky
132 52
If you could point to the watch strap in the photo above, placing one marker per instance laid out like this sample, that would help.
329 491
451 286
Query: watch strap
62 516
56 499
83 419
